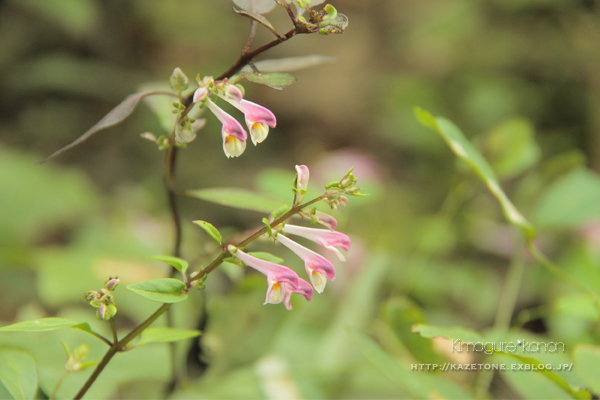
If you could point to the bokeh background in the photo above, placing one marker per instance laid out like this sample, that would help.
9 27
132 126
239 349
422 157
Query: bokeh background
520 77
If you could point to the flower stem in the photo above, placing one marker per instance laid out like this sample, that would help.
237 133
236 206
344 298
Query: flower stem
113 328
117 347
558 272
60 381
506 307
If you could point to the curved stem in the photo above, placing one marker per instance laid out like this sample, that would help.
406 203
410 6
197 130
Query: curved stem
217 261
60 381
99 336
118 346
558 272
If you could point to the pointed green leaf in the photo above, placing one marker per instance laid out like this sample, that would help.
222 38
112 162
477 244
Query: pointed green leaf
266 256
211 230
43 324
276 80
237 198
464 150
420 385
165 334
467 335
288 64
511 147
18 374
570 201
178 263
114 117
166 290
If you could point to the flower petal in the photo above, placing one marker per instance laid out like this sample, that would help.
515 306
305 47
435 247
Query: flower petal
312 261
231 126
328 239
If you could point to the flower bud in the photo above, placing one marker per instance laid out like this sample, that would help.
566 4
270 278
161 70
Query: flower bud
325 219
301 183
101 312
200 94
112 283
343 200
90 295
178 81
234 92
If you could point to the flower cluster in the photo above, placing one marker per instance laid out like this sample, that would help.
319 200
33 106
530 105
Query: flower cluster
282 281
258 118
103 300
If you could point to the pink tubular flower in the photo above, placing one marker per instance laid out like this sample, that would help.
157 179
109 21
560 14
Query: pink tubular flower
318 268
258 118
282 281
328 239
234 135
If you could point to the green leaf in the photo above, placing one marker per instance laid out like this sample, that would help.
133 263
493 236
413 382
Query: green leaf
288 64
114 117
420 384
211 230
256 6
237 198
275 80
178 263
464 150
280 212
166 290
467 335
587 365
164 334
511 147
18 374
266 256
44 324
571 201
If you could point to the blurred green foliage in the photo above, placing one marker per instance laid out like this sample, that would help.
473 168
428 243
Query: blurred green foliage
521 78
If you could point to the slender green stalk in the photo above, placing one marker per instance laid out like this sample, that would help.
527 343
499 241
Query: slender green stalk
99 336
506 307
557 271
510 291
113 328
60 381
117 347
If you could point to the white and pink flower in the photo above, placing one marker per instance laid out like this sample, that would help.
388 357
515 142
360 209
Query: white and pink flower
330 240
318 268
282 281
258 118
234 135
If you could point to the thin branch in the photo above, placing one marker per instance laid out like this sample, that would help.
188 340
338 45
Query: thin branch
118 346
113 328
217 261
246 48
99 336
